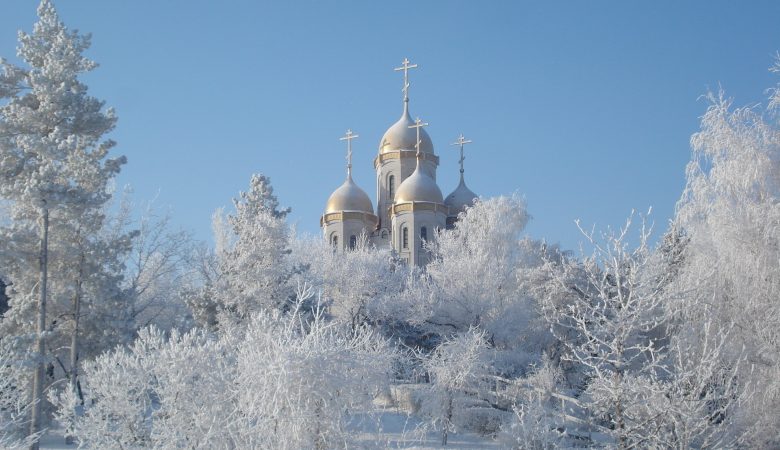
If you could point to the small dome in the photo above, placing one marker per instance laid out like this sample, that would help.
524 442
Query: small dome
460 198
349 197
400 137
419 187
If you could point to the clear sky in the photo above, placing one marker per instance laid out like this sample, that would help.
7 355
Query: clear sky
585 108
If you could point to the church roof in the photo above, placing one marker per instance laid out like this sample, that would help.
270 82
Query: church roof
349 197
400 137
418 187
460 198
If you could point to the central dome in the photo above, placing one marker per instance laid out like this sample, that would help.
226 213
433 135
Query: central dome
400 137
419 187
349 197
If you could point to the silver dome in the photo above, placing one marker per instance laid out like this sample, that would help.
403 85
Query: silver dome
460 198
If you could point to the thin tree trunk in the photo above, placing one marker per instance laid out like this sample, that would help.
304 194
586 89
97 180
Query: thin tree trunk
37 395
447 418
74 339
620 422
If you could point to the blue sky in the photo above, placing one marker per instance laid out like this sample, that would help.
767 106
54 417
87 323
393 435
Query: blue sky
585 108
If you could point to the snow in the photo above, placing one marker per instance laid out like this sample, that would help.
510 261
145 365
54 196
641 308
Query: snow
386 428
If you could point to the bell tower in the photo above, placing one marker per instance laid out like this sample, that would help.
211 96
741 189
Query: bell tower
397 159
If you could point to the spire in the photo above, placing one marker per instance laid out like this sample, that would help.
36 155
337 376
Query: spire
461 142
405 67
418 124
348 137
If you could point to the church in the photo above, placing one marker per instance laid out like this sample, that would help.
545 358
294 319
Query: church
410 207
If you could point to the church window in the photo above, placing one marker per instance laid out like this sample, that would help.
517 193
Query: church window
423 236
405 237
335 240
391 186
352 242
384 234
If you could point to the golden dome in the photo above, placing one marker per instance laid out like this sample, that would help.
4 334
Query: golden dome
419 187
400 137
349 197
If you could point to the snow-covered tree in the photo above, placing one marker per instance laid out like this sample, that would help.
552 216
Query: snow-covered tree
159 268
483 274
356 284
647 377
607 312
535 423
14 401
456 365
252 269
730 266
704 394
53 158
284 380
474 264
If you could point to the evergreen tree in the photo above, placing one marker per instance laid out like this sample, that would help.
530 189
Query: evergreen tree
54 167
251 268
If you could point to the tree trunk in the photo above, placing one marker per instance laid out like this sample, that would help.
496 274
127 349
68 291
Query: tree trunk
620 423
74 339
37 395
447 418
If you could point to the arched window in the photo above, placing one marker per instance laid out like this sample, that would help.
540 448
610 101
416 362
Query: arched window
391 187
405 237
352 242
423 236
384 234
335 240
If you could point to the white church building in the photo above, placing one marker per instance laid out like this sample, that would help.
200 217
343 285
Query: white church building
410 207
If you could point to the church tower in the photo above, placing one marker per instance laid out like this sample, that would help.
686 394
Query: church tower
418 210
349 213
397 160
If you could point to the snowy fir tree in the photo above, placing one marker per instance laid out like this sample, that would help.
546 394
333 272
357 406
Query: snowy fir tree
55 168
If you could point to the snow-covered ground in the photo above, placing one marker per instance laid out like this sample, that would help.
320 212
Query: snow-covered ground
389 428
392 428
54 440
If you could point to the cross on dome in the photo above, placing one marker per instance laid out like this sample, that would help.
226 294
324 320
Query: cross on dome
461 142
405 67
348 137
418 124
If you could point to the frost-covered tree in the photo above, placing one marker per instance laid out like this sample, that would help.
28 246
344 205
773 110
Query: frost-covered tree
456 365
703 395
646 377
607 311
730 214
160 267
284 380
14 401
535 423
252 259
483 274
474 264
53 157
358 285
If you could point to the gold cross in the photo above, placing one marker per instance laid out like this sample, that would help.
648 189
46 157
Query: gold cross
406 66
348 137
461 142
418 124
